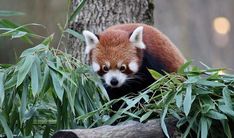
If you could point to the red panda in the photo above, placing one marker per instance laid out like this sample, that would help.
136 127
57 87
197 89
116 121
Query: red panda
122 54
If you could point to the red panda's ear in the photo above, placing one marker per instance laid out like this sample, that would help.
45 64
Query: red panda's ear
91 41
137 38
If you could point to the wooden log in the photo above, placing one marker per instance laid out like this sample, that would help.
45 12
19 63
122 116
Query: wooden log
130 129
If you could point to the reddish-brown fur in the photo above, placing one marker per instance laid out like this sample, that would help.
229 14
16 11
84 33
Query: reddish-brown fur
157 44
114 46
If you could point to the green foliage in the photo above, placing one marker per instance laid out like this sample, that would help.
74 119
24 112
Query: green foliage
201 99
47 89
77 10
10 29
10 13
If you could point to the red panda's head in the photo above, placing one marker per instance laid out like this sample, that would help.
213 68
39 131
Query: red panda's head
115 55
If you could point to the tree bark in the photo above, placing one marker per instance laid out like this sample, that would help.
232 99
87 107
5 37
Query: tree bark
98 15
131 129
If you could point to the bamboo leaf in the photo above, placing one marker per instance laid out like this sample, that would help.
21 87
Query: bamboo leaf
182 69
24 69
179 100
18 34
48 40
36 77
10 13
8 25
2 89
33 50
216 115
227 110
131 114
103 90
162 120
192 79
5 65
30 113
187 100
11 82
131 103
5 126
145 116
169 98
227 98
155 74
191 123
181 122
70 97
77 10
206 103
210 83
74 33
113 119
45 79
19 28
23 102
57 85
226 128
146 97
200 91
204 127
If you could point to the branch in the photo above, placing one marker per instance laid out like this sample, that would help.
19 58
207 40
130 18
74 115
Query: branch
130 129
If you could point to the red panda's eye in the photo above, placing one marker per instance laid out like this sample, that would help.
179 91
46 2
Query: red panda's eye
122 68
105 68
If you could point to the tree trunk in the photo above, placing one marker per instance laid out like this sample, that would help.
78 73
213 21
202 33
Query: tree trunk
98 15
131 129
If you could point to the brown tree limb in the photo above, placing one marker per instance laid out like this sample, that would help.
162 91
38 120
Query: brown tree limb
130 129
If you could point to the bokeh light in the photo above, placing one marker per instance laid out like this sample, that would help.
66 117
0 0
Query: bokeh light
221 25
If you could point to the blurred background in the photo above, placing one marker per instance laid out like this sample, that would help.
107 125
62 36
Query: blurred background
202 29
49 13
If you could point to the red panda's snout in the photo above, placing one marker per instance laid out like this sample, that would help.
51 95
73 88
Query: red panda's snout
116 75
115 78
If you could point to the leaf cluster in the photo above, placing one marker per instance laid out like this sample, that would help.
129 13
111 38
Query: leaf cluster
201 99
45 91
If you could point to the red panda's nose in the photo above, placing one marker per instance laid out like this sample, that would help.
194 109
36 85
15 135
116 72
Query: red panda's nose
114 82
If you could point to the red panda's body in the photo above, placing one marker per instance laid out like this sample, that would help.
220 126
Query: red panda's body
157 45
122 53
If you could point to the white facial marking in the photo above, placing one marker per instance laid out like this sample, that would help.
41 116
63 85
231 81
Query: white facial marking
133 66
137 38
91 41
107 63
96 66
121 77
119 64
